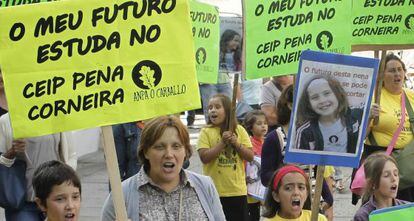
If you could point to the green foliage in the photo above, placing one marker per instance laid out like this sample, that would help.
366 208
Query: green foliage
325 41
147 76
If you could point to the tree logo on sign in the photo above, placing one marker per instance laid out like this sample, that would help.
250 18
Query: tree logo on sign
146 74
324 40
201 55
409 22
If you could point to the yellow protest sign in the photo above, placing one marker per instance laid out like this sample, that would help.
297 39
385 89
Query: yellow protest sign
6 3
95 63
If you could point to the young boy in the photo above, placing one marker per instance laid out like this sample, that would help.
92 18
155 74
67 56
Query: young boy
58 191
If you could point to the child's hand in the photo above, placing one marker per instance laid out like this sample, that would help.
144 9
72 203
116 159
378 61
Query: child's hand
229 138
226 137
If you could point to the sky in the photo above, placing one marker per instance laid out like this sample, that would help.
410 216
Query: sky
226 6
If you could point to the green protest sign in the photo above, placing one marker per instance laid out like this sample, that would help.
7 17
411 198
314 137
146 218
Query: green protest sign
396 213
205 21
277 32
387 23
6 3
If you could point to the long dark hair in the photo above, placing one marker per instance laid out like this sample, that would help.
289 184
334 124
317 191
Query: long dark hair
227 36
283 109
305 111
226 102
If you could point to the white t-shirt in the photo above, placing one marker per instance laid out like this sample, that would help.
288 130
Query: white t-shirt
251 91
270 94
335 137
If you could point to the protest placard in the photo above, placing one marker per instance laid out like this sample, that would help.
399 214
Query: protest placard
379 25
230 56
255 187
206 23
331 107
277 32
94 63
395 213
6 3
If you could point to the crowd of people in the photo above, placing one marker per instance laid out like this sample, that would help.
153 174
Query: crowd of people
153 156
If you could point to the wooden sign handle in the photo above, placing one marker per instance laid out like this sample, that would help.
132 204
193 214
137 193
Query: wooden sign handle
380 79
318 191
233 103
113 174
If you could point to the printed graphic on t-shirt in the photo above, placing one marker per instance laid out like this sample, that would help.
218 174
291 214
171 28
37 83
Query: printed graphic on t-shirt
334 137
228 158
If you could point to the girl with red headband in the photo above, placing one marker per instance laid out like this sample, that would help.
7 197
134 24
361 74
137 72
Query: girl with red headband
287 195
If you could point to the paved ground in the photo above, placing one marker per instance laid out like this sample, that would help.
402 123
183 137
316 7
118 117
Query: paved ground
92 170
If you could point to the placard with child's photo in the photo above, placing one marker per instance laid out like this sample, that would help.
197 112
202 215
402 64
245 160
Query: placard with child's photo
331 106
230 58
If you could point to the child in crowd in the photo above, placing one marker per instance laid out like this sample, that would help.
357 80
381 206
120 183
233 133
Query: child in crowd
381 173
222 153
58 191
325 121
287 195
256 126
274 145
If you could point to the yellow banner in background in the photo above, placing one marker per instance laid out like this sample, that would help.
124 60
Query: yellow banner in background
95 63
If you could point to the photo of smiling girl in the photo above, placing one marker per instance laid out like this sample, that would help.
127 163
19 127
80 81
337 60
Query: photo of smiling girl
325 122
230 51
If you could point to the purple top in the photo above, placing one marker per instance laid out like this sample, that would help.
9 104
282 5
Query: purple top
363 213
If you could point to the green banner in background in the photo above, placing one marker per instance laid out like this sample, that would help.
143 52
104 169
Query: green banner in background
6 3
277 32
206 23
388 22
